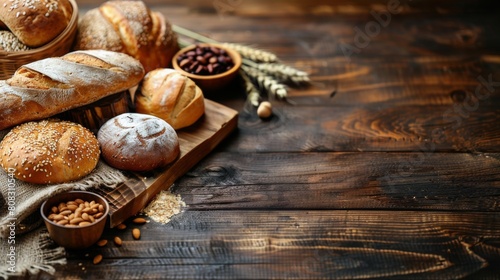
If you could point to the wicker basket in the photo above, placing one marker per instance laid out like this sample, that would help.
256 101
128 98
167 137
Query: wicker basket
61 45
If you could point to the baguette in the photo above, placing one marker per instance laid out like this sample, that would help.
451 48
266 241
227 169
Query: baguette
47 87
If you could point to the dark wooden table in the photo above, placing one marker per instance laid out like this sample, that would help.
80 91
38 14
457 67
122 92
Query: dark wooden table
387 167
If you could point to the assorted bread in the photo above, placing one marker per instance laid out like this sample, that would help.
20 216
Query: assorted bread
50 86
138 142
119 43
171 96
35 23
129 27
49 152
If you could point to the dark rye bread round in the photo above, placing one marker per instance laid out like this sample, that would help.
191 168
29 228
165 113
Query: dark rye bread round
138 142
49 152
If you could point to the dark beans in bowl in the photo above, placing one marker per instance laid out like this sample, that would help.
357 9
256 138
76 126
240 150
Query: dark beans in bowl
205 60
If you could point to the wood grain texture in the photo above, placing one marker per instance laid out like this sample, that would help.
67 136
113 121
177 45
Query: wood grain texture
301 245
396 181
423 129
312 7
386 167
195 142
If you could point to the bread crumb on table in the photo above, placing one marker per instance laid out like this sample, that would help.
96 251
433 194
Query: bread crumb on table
164 206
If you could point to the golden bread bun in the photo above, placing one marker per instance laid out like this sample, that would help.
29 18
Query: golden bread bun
49 152
35 23
171 96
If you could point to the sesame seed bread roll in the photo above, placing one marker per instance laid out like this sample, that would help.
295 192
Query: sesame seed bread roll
50 86
49 152
35 22
129 27
138 142
171 96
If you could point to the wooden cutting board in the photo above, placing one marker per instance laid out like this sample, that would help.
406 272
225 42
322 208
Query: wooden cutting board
195 142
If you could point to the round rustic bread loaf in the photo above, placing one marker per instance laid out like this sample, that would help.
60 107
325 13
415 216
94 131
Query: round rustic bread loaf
138 142
35 23
49 152
171 96
129 27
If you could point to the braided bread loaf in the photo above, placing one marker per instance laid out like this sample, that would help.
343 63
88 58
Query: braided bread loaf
50 86
129 27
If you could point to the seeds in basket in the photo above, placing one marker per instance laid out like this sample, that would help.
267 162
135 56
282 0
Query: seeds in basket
76 213
10 43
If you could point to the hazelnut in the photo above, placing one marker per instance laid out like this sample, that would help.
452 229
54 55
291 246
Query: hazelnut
265 110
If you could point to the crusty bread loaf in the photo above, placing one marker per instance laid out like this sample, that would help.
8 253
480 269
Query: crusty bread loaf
35 23
50 86
138 142
49 152
129 27
171 96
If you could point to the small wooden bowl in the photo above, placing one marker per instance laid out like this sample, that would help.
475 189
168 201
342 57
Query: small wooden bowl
211 83
78 237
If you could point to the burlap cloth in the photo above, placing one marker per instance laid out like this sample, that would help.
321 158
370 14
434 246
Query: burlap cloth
34 250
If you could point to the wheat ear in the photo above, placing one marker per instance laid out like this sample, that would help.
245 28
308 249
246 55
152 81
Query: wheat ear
253 94
283 73
252 53
266 82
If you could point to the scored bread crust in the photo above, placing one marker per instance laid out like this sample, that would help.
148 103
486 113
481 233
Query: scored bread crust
129 27
50 86
35 23
138 142
171 96
49 152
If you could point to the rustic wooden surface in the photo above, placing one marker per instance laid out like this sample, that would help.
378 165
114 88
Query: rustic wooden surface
387 167
195 142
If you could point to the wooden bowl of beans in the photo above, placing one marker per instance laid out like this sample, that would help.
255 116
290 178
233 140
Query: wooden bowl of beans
210 66
75 219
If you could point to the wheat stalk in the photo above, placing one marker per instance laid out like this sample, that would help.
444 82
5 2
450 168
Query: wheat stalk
192 34
252 53
266 82
283 73
260 70
253 94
